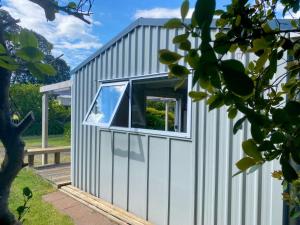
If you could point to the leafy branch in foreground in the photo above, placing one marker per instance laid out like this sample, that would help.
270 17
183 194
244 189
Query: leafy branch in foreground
265 91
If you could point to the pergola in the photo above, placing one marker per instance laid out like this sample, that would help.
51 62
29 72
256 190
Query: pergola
63 89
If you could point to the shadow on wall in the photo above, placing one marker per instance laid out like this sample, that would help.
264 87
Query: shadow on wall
138 156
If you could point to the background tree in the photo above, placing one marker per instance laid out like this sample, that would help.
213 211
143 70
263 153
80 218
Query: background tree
22 75
13 49
268 100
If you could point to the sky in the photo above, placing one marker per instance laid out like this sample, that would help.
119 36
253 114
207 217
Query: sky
77 40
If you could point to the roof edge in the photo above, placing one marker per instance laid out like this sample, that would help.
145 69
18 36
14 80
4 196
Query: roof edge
285 23
139 22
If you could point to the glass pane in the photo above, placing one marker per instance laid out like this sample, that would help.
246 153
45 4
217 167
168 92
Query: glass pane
105 104
160 113
156 105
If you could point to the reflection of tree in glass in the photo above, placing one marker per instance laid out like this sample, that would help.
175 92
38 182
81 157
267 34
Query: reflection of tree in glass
105 104
155 114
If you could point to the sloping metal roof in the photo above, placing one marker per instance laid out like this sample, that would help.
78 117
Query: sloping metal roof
285 24
132 26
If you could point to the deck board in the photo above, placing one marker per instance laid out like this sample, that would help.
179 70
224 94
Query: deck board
59 175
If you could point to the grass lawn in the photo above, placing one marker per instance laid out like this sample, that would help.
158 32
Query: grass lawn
40 212
53 140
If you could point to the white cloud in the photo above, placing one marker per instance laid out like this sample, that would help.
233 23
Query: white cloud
69 35
160 13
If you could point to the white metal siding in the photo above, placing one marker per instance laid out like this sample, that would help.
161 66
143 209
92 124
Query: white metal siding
166 180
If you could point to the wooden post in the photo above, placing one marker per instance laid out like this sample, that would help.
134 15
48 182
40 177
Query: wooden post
30 160
45 103
166 116
57 158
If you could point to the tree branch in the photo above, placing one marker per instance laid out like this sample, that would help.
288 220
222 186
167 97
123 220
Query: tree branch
25 123
51 7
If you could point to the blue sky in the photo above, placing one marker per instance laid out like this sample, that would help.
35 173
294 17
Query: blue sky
77 40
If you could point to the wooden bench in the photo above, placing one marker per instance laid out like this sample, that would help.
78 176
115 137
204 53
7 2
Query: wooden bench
38 151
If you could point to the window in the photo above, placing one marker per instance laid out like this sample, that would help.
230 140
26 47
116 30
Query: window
151 104
156 105
106 104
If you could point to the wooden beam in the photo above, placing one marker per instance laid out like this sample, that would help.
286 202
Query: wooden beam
45 105
56 87
111 211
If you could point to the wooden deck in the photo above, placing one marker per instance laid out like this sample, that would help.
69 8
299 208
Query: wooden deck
57 174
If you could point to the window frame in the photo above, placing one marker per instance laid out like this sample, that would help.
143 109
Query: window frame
106 125
130 129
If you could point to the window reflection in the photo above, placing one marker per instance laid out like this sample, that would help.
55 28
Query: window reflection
105 105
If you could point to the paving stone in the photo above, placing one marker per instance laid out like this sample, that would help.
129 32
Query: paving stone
54 196
80 213
65 203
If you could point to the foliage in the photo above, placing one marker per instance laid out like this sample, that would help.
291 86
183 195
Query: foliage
23 209
257 90
156 119
67 130
27 97
40 213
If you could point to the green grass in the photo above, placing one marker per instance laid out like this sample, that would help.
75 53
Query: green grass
53 140
40 212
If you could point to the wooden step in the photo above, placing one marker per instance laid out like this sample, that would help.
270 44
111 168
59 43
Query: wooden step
113 212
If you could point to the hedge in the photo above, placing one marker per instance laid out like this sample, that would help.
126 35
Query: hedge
26 97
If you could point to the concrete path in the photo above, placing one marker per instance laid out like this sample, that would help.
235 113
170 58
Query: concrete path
80 213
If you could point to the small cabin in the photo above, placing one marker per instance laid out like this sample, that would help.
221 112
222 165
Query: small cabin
141 146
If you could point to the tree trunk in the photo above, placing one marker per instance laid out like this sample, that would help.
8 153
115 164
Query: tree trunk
14 148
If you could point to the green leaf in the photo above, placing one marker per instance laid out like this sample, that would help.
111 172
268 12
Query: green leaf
45 68
216 101
245 163
185 8
30 54
72 5
179 84
28 39
198 95
204 12
34 71
193 59
288 171
238 125
8 66
168 57
277 137
250 149
295 152
293 108
232 112
260 44
222 44
185 45
2 49
178 70
257 133
27 192
21 209
260 63
180 38
173 23
294 213
235 77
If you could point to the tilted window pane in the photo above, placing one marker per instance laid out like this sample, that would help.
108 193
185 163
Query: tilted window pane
106 104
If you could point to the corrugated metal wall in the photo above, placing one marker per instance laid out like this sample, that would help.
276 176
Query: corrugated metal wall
166 180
